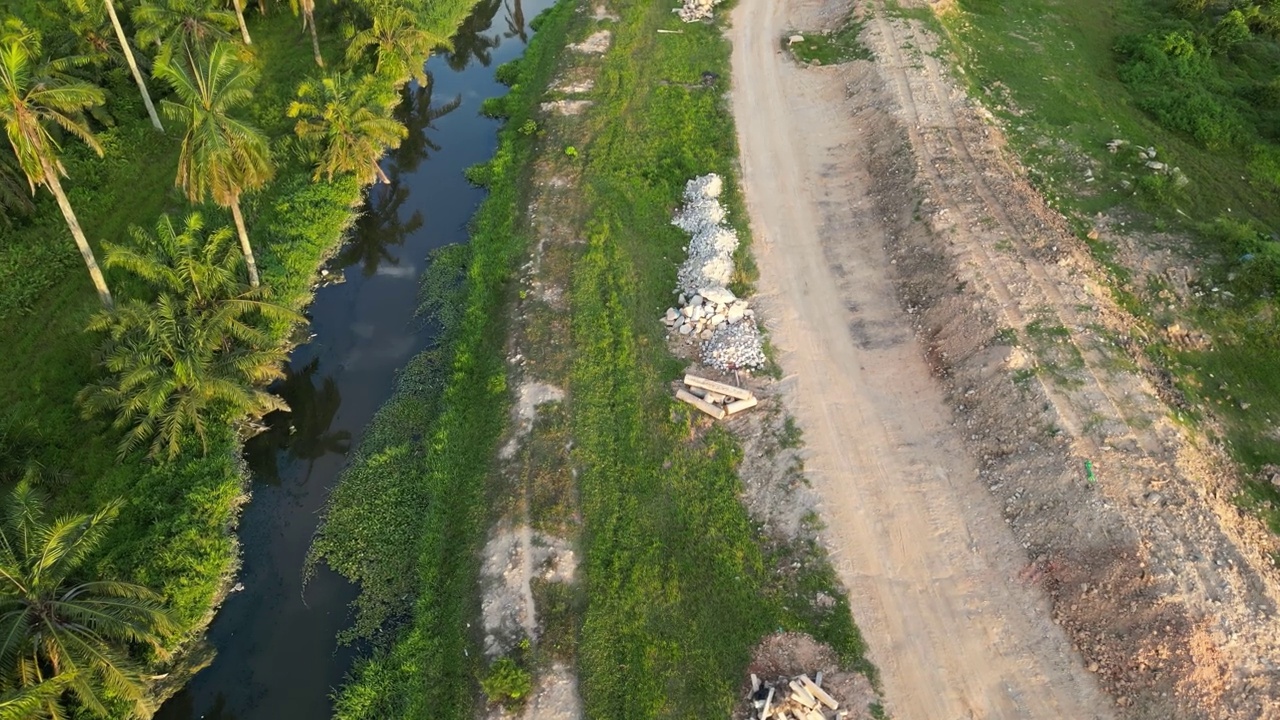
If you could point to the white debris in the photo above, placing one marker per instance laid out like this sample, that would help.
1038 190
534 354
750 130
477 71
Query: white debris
695 10
707 309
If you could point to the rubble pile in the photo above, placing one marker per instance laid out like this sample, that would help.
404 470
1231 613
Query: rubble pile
695 10
797 698
706 309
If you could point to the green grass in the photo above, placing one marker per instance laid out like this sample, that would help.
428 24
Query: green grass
677 583
1062 76
174 533
677 577
831 48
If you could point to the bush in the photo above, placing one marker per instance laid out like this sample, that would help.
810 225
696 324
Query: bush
506 682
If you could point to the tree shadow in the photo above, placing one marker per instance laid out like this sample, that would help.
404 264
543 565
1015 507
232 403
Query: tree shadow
470 42
418 116
380 227
304 432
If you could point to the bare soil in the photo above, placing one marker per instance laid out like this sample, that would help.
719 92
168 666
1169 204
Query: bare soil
954 363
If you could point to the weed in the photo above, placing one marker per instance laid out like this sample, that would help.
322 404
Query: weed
506 682
791 436
833 48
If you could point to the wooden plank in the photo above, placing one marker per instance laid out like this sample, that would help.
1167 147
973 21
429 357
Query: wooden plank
819 693
703 405
722 388
740 405
802 696
764 714
755 683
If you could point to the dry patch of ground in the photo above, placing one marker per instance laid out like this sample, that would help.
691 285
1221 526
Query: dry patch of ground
957 362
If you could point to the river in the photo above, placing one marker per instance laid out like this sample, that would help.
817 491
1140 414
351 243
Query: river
277 657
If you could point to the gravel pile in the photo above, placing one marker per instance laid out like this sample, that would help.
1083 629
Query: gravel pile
706 309
695 10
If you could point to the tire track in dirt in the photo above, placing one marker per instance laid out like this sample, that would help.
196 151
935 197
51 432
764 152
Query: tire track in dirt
931 568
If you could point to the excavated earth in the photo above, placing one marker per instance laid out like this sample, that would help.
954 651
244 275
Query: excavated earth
1024 530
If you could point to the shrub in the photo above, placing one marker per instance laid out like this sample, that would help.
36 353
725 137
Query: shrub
506 682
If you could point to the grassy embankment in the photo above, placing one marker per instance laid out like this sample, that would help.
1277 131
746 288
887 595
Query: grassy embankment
678 582
1068 76
173 534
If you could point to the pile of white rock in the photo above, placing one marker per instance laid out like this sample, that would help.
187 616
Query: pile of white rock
706 309
695 10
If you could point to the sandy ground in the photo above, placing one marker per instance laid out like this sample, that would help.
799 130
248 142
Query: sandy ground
931 567
954 363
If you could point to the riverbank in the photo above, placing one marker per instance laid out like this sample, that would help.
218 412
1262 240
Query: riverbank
554 351
176 532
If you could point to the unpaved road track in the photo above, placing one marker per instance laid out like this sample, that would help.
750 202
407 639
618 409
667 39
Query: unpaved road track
932 568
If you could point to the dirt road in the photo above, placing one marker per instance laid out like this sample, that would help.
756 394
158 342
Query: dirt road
936 577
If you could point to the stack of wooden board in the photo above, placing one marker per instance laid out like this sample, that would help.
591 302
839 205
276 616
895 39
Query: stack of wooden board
797 698
717 399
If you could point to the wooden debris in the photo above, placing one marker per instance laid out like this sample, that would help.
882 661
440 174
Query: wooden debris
722 388
706 407
795 698
818 692
715 398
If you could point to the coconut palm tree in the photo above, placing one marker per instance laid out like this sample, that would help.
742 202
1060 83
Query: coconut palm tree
182 28
401 45
352 126
307 8
221 156
119 50
192 353
244 29
54 620
34 97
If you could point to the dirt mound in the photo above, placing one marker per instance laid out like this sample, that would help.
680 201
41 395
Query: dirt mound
787 655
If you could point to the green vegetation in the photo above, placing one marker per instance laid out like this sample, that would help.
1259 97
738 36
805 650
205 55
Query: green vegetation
1195 80
63 629
417 486
506 682
676 575
172 532
830 48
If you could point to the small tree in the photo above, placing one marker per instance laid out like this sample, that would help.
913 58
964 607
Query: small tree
402 47
35 96
56 625
195 351
351 125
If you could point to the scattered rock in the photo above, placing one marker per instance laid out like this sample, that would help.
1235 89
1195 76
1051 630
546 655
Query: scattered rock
795 39
695 10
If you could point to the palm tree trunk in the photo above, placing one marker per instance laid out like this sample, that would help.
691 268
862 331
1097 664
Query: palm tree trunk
244 242
315 41
381 175
95 272
133 65
244 29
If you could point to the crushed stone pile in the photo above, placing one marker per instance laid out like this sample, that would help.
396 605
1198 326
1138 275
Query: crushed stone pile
706 309
695 10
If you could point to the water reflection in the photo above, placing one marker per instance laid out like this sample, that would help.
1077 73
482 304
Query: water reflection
471 43
379 228
515 21
304 432
418 115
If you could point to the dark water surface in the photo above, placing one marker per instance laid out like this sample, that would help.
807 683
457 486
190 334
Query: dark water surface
277 654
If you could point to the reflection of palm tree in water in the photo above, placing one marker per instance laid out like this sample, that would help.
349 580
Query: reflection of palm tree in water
304 431
515 21
417 115
379 227
470 42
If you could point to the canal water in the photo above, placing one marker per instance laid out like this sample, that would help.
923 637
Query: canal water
277 656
